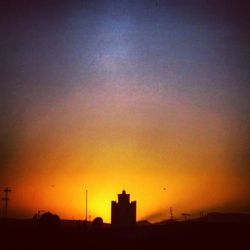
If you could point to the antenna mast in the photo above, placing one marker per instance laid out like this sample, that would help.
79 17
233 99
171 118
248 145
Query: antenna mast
86 206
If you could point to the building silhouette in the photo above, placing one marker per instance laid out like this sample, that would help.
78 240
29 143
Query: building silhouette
123 212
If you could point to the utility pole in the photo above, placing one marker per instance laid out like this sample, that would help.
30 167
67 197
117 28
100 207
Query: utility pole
201 215
39 213
185 215
171 215
6 199
86 206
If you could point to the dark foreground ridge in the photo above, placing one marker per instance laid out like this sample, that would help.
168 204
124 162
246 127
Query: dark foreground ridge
24 234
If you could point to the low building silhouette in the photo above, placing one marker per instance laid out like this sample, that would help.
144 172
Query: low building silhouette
123 212
49 221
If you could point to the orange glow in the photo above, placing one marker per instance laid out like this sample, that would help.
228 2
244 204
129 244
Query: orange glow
138 142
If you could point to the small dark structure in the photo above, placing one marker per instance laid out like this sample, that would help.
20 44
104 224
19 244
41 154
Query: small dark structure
123 212
97 222
49 221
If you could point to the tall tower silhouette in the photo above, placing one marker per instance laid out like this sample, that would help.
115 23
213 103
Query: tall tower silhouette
123 212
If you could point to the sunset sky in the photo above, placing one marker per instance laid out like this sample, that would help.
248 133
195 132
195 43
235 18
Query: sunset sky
148 96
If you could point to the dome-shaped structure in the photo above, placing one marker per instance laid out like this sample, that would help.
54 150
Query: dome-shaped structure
97 222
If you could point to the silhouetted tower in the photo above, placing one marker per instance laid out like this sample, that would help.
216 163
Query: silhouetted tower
123 212
6 199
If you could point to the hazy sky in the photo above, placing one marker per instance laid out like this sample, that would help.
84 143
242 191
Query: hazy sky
141 95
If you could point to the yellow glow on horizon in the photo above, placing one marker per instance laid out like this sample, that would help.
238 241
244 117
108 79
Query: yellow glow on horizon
134 142
183 192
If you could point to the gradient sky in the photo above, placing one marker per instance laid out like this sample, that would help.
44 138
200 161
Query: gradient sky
107 95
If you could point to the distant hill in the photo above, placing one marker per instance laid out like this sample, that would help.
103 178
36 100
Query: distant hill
143 223
168 221
227 217
215 218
